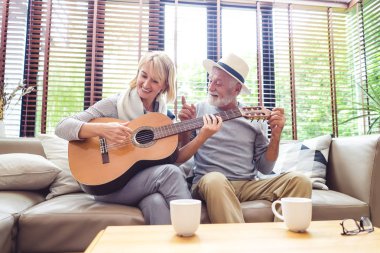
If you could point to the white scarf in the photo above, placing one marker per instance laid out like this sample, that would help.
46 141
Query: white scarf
130 106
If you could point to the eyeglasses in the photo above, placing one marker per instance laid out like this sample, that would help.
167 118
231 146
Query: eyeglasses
353 227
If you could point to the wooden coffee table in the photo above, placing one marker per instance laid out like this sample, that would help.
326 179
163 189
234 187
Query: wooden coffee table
322 236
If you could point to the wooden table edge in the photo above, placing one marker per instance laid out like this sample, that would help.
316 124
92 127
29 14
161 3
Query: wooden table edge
94 241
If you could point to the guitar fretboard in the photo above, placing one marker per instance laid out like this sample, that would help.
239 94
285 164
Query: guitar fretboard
192 124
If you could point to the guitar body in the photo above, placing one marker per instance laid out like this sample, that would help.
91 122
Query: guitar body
101 174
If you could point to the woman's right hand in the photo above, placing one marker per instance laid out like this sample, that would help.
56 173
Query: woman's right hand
116 132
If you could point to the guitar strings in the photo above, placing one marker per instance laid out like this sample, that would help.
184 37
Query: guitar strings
147 137
144 138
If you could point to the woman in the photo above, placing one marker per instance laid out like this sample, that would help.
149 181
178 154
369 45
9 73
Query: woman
152 188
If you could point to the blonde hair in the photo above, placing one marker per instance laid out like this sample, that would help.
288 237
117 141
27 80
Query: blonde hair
164 68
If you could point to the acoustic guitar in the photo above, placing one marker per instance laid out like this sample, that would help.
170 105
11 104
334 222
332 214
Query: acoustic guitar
102 168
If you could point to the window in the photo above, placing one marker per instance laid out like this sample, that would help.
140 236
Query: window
308 59
308 46
188 49
364 69
242 40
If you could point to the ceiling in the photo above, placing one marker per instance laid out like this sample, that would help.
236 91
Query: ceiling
331 1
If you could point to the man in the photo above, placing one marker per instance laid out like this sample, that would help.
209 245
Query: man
226 165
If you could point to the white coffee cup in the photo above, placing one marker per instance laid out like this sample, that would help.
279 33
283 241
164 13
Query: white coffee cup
185 215
296 212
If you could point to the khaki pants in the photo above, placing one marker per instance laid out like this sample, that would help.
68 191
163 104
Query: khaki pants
223 197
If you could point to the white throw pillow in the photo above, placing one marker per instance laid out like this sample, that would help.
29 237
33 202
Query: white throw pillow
308 157
22 171
56 151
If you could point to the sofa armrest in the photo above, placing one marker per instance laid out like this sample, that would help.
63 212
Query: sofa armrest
353 169
375 189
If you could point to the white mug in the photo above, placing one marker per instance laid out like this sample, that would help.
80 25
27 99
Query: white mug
185 215
296 212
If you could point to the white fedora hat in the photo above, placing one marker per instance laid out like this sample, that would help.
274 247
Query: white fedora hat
234 66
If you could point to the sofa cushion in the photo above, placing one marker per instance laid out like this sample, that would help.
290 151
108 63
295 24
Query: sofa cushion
257 211
56 150
76 219
308 157
12 204
327 205
6 227
22 171
253 211
330 205
15 202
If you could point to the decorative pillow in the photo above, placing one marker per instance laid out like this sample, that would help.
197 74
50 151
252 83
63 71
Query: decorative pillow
56 150
308 157
22 171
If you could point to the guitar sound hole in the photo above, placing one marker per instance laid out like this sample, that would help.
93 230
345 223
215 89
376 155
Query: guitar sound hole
144 136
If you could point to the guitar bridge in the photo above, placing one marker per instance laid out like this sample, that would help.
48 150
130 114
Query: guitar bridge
104 150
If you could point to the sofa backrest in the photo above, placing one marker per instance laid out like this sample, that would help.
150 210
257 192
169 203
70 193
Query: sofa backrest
21 145
354 169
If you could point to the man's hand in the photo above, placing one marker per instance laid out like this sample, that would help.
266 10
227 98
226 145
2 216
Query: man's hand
211 125
187 112
276 122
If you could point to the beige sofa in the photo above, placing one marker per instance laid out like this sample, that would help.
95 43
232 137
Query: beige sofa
68 223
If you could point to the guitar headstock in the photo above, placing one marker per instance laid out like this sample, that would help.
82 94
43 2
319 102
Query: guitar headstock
255 112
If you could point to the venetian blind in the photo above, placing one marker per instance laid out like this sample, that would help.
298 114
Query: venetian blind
371 19
364 70
309 49
82 51
13 32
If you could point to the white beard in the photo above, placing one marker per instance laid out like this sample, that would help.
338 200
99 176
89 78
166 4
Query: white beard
220 102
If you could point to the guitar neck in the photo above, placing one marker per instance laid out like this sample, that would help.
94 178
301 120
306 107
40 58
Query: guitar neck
192 124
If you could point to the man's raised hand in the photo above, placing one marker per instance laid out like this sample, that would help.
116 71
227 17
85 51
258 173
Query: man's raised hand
187 112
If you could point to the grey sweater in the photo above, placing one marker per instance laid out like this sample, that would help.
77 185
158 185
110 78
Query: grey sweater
237 150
